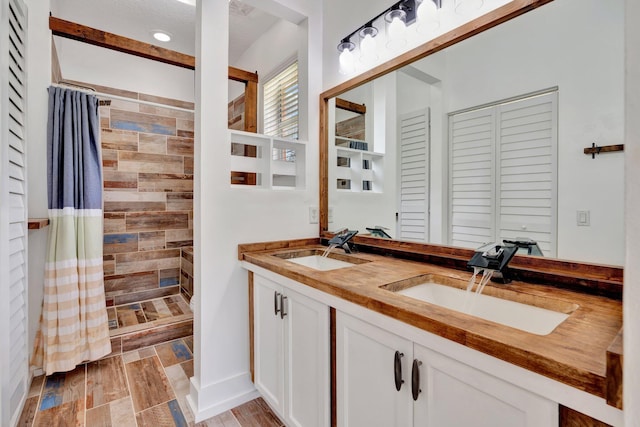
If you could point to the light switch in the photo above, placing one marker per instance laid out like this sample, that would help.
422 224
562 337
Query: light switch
583 218
313 214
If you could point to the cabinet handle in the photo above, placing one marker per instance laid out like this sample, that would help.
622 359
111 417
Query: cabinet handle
415 379
275 302
397 370
283 301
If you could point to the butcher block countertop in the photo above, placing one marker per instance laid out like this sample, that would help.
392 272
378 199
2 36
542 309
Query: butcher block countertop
575 353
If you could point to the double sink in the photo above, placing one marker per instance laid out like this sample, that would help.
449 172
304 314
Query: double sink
530 313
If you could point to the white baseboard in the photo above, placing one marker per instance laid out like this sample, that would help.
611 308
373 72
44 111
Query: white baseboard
216 398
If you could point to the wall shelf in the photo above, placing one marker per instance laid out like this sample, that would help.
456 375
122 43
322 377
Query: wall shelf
357 170
266 162
38 223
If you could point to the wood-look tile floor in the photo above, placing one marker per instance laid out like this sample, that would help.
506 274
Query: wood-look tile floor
132 317
145 387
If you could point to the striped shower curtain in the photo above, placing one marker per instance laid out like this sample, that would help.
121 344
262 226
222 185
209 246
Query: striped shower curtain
74 325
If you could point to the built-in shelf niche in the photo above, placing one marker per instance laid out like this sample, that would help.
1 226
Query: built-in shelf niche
266 162
357 170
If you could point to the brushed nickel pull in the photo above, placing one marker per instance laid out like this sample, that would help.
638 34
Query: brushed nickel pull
275 302
397 370
283 300
415 379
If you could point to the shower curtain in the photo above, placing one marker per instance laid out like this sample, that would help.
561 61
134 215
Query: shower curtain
74 326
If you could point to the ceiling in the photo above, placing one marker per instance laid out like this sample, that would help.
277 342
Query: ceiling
137 19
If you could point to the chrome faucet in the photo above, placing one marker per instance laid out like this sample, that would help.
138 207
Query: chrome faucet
341 239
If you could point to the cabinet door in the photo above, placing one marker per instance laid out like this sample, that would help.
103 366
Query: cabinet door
268 341
366 391
307 361
457 395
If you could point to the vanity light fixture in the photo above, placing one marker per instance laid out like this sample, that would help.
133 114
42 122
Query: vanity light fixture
161 36
396 18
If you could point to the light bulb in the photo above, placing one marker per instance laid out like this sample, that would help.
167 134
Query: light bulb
347 62
368 49
396 31
428 17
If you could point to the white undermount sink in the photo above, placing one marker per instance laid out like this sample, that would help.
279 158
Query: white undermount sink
526 317
312 258
318 262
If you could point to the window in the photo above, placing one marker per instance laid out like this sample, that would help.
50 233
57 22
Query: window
281 103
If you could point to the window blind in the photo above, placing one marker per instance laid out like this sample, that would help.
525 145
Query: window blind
281 104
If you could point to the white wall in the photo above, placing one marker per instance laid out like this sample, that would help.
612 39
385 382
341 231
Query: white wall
225 216
38 79
122 71
632 199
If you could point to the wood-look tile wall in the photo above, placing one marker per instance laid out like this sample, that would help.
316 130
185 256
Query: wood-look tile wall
186 272
236 113
147 154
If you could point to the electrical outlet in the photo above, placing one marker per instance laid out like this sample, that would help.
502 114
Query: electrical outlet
313 215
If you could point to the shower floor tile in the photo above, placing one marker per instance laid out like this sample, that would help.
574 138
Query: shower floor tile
128 318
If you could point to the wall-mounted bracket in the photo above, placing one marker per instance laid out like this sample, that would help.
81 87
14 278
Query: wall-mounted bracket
594 149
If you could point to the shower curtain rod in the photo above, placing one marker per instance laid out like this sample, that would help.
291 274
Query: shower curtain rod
92 91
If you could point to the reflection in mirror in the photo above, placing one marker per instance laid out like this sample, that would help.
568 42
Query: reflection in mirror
236 105
483 141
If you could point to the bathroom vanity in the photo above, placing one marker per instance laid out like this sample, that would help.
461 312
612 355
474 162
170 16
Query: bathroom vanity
341 343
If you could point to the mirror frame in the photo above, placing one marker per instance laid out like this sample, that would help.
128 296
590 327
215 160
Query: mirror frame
599 279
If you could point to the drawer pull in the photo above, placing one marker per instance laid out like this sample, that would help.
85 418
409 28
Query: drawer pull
275 302
415 379
397 370
283 302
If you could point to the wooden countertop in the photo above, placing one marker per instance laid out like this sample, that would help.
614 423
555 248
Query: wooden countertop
575 353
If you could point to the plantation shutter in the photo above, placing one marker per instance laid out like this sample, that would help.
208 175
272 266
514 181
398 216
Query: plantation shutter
13 221
281 104
414 177
472 194
526 184
503 173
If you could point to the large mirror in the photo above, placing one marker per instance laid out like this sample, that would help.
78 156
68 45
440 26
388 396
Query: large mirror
484 140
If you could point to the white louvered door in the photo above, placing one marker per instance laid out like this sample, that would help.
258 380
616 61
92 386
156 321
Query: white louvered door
503 173
13 214
413 215
471 169
526 182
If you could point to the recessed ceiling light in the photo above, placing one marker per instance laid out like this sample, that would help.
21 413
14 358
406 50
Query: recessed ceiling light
162 36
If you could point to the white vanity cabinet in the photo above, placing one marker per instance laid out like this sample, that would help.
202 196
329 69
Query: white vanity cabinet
291 338
449 393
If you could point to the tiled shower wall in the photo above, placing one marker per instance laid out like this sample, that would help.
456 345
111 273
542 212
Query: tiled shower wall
147 154
236 113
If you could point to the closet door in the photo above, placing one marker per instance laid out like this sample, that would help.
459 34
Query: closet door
527 179
472 177
13 213
413 218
